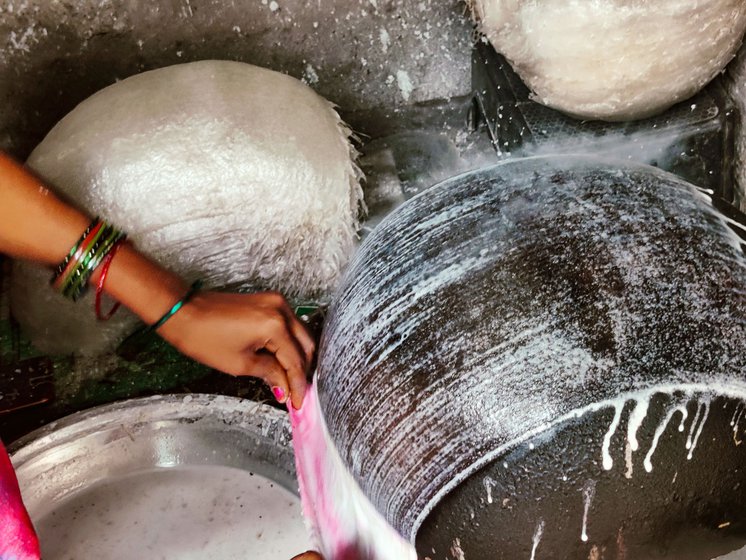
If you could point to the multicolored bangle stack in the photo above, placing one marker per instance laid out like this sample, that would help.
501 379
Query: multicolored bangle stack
74 272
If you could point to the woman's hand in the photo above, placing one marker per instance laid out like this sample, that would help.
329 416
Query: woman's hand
308 556
253 334
246 334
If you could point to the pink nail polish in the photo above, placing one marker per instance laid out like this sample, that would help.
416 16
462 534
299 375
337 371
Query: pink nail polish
279 394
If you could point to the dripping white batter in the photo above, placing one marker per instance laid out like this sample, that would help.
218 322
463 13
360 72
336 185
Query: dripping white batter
537 538
589 491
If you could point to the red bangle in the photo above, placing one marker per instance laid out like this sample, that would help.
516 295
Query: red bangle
100 287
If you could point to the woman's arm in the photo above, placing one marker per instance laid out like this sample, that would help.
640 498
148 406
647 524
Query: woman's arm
254 334
34 224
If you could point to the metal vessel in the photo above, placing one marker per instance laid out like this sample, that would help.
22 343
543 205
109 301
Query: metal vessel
197 453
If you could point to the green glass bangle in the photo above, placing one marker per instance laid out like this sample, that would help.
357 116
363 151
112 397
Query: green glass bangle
70 285
77 284
193 289
73 276
61 267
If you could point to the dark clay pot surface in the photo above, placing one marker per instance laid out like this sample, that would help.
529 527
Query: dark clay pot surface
533 299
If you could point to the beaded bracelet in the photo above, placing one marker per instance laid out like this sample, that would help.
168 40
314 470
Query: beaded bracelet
73 273
193 289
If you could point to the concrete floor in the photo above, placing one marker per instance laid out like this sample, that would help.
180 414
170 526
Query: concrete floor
376 59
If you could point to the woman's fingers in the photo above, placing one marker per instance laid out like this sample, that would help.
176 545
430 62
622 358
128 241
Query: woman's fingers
287 354
265 366
274 345
301 334
298 387
296 328
308 556
246 334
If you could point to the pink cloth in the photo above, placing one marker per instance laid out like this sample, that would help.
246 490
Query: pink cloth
17 537
314 468
344 523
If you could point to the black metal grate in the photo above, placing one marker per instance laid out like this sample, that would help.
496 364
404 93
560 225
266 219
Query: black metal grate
693 139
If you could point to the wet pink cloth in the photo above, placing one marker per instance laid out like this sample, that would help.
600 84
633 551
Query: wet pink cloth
17 536
314 469
344 523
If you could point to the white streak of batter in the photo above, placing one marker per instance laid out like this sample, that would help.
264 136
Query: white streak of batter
693 426
608 462
684 415
537 538
648 464
589 490
736 422
706 409
489 484
635 421
737 415
628 460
